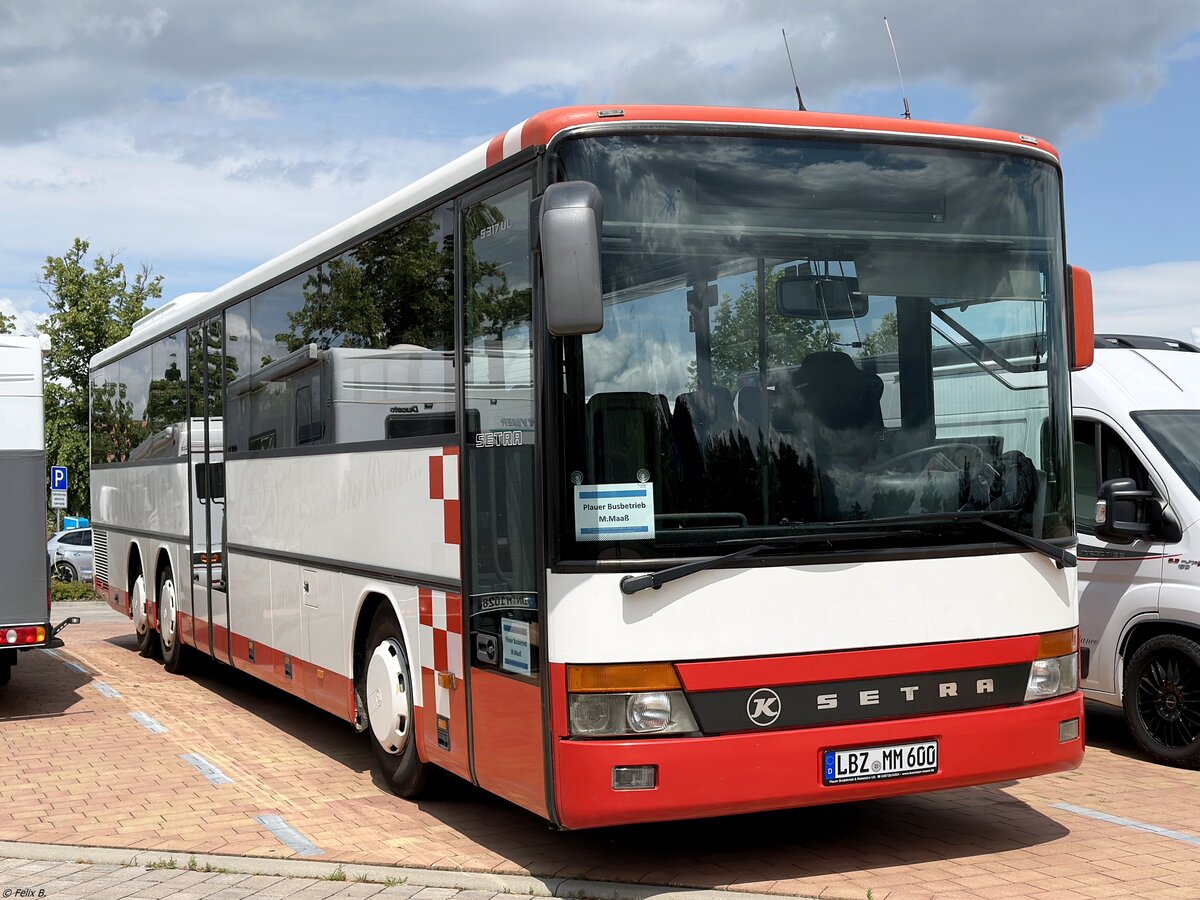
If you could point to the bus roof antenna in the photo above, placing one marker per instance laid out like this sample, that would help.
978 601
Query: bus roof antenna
799 101
896 57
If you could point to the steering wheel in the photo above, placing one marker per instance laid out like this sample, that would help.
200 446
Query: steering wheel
933 458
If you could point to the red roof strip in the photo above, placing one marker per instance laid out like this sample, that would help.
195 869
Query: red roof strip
539 129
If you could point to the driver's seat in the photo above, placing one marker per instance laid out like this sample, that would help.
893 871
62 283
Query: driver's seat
843 402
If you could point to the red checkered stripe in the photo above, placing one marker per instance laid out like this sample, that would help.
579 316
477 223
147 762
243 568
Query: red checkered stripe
443 486
440 636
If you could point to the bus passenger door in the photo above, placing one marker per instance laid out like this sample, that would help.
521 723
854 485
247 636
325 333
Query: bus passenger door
500 540
210 602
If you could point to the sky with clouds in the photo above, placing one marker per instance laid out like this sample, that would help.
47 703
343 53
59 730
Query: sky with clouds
205 138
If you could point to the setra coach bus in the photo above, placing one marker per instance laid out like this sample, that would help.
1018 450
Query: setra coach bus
635 466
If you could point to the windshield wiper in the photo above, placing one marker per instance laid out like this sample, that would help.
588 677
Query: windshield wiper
631 584
1064 558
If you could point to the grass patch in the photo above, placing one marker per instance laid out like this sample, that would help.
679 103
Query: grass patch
338 874
161 864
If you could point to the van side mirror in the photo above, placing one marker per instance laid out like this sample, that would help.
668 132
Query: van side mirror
569 222
1119 511
1081 323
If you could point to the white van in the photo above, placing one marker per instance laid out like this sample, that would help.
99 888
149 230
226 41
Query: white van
1137 504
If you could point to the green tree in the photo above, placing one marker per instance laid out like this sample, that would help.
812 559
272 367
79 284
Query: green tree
90 309
884 339
7 323
735 334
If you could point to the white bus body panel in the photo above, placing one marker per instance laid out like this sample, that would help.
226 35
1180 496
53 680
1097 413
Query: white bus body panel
142 498
770 611
372 509
1157 581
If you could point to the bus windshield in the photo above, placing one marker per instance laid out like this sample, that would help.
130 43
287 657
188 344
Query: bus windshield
805 335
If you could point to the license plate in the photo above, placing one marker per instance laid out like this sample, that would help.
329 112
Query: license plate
879 763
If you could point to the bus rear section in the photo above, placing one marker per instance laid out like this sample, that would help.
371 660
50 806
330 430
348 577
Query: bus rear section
24 564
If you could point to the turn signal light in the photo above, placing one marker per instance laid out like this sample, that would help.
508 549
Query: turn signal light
622 678
1057 643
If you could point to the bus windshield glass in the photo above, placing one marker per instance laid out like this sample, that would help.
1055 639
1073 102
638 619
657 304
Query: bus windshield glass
809 335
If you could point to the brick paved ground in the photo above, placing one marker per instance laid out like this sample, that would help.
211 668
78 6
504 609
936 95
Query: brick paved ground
76 768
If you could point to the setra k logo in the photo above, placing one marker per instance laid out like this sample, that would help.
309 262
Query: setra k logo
763 707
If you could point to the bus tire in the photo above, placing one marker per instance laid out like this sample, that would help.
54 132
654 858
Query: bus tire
5 673
174 654
139 610
1162 704
386 685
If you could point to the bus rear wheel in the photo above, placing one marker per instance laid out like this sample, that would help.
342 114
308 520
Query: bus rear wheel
139 610
1162 699
386 684
173 652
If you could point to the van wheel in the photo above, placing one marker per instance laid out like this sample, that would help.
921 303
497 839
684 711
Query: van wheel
139 609
386 683
1162 699
174 654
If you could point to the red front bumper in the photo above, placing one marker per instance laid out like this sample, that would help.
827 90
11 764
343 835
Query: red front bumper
751 772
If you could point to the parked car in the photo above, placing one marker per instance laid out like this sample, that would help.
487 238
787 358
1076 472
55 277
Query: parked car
71 554
1137 507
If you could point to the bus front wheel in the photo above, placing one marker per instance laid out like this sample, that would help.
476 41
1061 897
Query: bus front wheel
386 684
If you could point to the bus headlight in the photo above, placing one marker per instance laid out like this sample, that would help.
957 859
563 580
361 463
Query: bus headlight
627 698
1055 668
645 712
1052 677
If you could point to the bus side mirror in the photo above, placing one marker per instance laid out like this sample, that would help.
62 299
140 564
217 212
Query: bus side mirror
1081 324
569 237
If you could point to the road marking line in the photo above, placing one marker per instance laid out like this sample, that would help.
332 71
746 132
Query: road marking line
1128 823
149 722
288 835
205 768
51 652
76 667
109 692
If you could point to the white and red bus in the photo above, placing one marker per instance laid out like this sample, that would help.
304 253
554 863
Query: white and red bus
635 466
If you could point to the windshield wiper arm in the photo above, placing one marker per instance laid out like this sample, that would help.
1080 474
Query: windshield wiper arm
1064 558
631 584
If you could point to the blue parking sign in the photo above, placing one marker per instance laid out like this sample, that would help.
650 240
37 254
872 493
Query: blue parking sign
58 478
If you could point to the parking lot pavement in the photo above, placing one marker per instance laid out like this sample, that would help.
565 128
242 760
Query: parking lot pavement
100 747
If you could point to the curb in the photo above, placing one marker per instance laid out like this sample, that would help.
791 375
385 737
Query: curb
573 888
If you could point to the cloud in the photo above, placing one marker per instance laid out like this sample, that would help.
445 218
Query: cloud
1050 69
1159 299
28 321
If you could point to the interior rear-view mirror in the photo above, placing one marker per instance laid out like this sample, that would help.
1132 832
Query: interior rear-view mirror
823 297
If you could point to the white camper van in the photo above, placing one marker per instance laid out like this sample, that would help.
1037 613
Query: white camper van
1137 505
